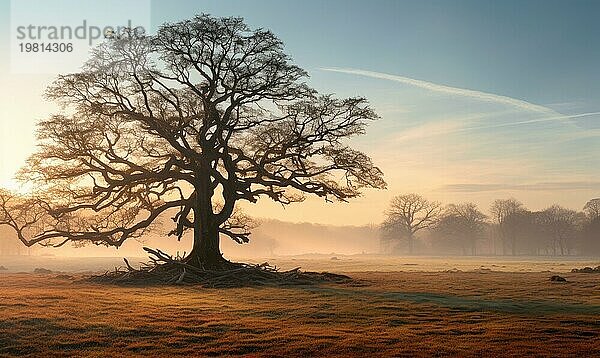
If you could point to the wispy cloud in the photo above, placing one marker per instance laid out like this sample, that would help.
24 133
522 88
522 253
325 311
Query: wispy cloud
435 127
537 120
550 115
548 186
483 96
436 147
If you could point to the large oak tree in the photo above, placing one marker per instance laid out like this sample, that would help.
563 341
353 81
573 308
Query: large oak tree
186 123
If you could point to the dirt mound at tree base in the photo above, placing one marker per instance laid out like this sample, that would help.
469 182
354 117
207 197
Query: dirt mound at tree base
164 270
246 275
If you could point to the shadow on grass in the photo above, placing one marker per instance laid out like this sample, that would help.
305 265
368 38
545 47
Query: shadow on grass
22 336
466 304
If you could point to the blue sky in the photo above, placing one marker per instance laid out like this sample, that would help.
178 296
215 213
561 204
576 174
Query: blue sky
542 51
479 99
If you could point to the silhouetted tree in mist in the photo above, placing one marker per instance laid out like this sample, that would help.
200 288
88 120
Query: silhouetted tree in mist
590 231
560 226
407 215
555 230
507 214
592 209
187 123
463 225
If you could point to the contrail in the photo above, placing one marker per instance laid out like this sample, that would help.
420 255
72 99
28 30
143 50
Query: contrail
545 119
484 96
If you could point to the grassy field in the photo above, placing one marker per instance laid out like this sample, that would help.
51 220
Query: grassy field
331 263
474 313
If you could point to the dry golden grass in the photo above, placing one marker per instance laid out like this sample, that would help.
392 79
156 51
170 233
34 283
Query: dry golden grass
478 313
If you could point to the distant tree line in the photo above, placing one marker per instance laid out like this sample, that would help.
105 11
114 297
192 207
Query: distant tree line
414 224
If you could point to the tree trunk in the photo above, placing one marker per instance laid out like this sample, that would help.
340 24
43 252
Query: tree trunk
206 252
410 244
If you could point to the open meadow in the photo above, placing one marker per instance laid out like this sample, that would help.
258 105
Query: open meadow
465 310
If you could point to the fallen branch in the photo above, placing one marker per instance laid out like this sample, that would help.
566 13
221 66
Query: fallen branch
128 265
164 269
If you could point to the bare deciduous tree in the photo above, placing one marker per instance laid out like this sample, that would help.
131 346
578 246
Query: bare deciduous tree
462 223
592 209
409 214
559 224
187 123
505 213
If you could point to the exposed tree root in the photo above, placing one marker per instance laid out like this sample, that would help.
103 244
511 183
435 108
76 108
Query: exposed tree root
164 269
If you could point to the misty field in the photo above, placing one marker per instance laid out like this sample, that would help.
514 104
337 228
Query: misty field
473 312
